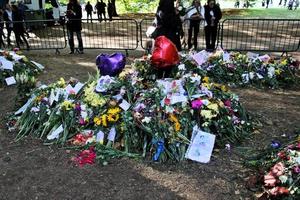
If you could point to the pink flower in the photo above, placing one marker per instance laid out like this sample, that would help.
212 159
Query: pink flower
270 180
196 104
16 49
87 156
278 169
227 103
82 122
279 191
296 169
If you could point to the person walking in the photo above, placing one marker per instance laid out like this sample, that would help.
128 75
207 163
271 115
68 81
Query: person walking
168 23
18 26
22 9
212 17
74 15
89 11
194 16
8 22
100 7
110 10
296 4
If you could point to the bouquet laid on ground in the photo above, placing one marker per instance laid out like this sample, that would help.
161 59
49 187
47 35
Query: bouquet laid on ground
15 68
133 115
281 178
237 69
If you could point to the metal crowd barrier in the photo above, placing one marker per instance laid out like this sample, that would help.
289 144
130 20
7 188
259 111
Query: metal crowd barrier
43 35
272 35
145 23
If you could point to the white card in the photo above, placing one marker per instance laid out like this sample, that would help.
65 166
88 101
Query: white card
41 67
55 134
6 64
25 106
10 80
15 56
124 105
100 137
178 99
112 134
69 89
201 57
78 87
226 57
51 98
201 147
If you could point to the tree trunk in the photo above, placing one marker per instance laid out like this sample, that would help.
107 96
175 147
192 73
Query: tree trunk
115 14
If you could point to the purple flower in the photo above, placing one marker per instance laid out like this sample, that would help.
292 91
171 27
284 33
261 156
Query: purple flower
82 122
275 144
196 104
77 107
297 169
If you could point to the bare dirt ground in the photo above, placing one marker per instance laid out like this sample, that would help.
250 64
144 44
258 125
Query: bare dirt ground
29 170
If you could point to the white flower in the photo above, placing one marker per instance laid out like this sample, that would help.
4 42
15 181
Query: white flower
181 67
146 120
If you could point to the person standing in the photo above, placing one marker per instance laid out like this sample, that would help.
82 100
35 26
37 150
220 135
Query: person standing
168 23
1 29
74 15
8 22
100 7
194 16
18 26
212 17
110 10
89 11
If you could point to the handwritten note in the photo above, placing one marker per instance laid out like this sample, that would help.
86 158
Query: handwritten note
6 64
112 134
201 147
10 80
201 57
124 105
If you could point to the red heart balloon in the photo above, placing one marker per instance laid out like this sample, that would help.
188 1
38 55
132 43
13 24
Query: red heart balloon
165 53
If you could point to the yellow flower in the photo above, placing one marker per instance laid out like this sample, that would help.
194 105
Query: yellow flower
214 107
61 82
97 121
113 118
221 104
104 120
224 88
68 105
284 62
114 111
205 79
177 126
207 114
277 71
173 118
92 98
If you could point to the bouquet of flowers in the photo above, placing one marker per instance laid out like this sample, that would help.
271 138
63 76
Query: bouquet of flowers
15 68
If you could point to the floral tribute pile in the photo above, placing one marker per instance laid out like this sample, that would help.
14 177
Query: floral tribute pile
133 114
15 68
282 177
237 69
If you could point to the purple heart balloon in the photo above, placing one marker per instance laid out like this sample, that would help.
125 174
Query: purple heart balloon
110 65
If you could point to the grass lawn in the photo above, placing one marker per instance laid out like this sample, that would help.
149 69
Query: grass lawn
277 13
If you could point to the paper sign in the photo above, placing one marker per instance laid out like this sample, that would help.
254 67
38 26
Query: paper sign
78 87
124 105
201 57
6 64
112 134
201 147
10 80
25 106
226 57
55 134
41 67
100 137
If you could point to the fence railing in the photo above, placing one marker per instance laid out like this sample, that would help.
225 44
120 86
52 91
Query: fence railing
273 35
276 35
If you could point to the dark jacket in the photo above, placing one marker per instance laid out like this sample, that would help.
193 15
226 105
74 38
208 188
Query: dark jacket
89 8
74 23
217 14
18 22
169 25
6 19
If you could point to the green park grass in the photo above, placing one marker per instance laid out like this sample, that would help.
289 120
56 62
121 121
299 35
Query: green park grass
271 13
